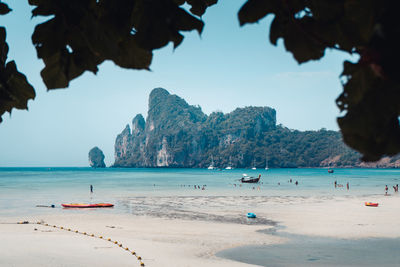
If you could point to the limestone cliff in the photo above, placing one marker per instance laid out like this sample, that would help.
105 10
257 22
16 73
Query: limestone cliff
176 134
96 158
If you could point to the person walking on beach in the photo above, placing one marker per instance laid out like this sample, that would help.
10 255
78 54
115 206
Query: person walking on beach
386 190
348 187
91 188
335 184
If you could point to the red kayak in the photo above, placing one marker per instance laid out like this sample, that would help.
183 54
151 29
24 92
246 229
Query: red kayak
371 204
81 205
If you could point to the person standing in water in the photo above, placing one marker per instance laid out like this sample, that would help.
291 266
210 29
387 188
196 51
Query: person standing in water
91 188
348 187
386 189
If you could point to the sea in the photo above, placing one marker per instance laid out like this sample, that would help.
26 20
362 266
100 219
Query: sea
23 189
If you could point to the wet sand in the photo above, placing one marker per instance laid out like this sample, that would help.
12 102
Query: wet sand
189 231
307 251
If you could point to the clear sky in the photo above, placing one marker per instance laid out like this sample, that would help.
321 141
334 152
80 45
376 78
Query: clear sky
226 67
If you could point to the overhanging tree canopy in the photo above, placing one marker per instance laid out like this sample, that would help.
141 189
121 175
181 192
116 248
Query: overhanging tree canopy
81 34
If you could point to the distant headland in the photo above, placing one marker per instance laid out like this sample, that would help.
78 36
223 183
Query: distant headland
176 134
96 158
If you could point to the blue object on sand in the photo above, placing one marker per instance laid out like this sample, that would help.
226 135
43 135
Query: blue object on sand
251 215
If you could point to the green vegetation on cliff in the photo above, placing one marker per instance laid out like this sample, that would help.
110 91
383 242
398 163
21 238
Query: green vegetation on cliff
176 134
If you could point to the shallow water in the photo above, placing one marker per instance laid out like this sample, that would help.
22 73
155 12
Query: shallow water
21 189
319 251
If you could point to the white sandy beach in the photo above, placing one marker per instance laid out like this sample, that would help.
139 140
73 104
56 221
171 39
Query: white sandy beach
174 240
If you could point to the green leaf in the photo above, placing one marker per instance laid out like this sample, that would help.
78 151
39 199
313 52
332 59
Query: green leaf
301 43
254 10
83 33
20 90
371 123
3 47
327 10
199 6
132 56
276 31
168 20
179 2
186 22
15 91
54 74
4 9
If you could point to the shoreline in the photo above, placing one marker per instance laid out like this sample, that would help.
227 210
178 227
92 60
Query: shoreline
189 232
199 168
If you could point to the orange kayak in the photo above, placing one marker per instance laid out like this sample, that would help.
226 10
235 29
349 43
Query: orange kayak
81 205
371 204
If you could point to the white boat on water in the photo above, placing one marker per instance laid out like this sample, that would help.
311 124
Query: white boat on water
229 167
211 167
254 165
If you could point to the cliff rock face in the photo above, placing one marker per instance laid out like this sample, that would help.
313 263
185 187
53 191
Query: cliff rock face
96 158
176 134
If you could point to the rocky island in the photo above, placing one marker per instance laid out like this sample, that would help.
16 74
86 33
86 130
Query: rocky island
96 158
176 134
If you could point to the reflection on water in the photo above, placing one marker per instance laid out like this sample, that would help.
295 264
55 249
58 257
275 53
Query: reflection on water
319 251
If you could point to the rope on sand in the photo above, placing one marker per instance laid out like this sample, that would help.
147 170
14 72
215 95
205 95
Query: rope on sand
91 235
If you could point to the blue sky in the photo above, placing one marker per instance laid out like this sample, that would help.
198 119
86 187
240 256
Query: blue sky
226 67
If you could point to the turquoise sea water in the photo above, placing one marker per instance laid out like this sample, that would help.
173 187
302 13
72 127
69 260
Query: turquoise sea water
21 189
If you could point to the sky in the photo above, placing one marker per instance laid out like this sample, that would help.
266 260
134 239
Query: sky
228 66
